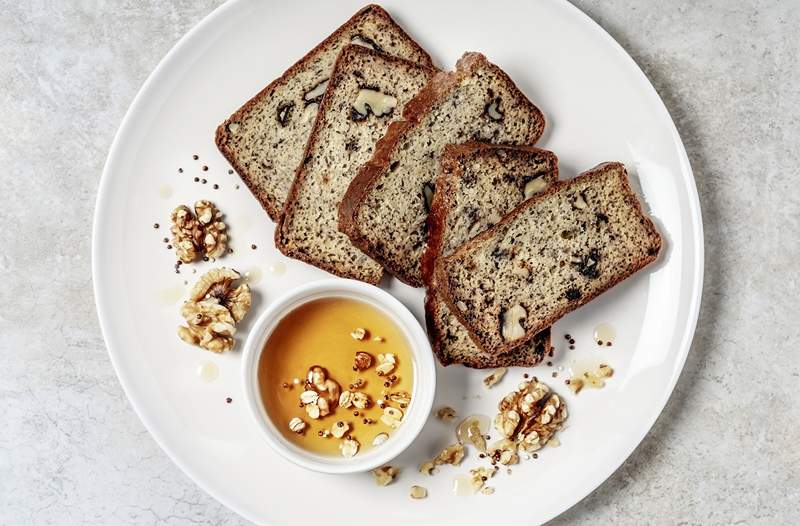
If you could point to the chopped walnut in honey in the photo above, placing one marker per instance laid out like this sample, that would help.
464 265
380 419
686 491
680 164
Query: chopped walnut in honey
203 232
213 309
392 417
385 475
296 425
362 361
386 364
359 334
340 429
400 397
322 394
349 447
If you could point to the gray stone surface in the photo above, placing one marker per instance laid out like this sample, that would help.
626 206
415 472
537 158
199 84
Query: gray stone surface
725 451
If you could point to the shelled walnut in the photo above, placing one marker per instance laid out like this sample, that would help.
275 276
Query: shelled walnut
528 418
213 309
200 233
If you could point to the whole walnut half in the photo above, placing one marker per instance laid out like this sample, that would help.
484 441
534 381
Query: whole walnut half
213 309
198 233
216 286
209 325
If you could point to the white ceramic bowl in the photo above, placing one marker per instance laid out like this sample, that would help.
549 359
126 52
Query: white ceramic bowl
423 366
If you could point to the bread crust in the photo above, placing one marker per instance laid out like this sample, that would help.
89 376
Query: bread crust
347 54
442 202
439 86
440 274
446 187
221 135
483 360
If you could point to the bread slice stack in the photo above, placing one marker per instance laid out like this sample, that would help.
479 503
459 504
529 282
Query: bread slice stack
369 160
367 90
385 209
264 140
477 185
549 256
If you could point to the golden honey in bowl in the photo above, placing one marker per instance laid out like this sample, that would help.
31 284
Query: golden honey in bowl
336 377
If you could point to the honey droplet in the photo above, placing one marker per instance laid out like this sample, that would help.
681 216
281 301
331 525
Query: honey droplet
207 371
277 269
604 333
472 430
170 296
253 275
462 486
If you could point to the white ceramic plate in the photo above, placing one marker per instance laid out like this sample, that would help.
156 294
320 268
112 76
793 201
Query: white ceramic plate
599 107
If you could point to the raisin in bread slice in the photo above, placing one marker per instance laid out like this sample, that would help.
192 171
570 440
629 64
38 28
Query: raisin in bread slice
265 138
385 208
477 185
549 256
367 90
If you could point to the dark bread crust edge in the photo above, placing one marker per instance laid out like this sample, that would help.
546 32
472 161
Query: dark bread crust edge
414 111
449 175
483 360
440 274
349 52
274 209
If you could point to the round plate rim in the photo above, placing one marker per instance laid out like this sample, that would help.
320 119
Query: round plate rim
590 25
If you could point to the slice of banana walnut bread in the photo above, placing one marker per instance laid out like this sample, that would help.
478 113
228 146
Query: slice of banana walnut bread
366 92
552 254
264 139
477 185
385 208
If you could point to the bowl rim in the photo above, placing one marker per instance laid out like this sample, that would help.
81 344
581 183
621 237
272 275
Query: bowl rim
423 366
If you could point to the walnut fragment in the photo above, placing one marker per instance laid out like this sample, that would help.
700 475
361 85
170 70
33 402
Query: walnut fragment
452 454
528 418
213 309
385 475
446 413
203 232
494 377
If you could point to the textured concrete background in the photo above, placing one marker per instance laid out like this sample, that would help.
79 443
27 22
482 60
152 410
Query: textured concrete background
725 451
